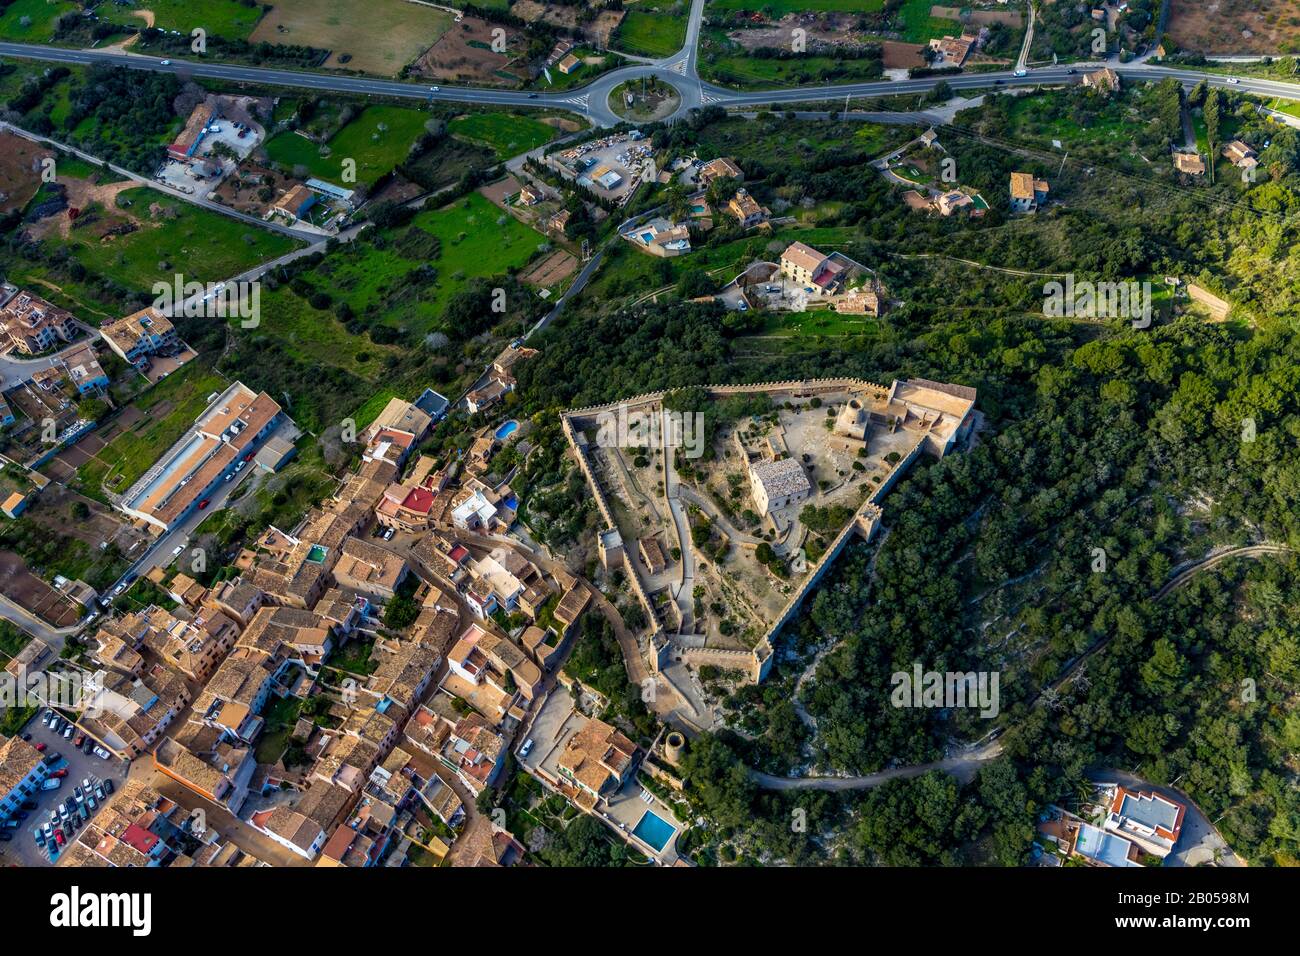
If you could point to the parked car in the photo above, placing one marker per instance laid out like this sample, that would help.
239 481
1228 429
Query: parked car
177 550
102 754
79 740
40 838
88 746
59 838
108 787
204 503
68 731
528 745
27 736
53 757
85 782
99 793
29 804
40 747
60 773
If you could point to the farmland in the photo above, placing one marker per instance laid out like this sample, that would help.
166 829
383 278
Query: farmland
473 240
650 34
172 236
32 21
370 36
223 18
775 9
1235 26
507 134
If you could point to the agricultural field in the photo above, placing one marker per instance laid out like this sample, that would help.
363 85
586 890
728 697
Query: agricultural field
377 140
752 72
471 238
650 34
506 134
32 21
915 24
775 9
465 54
369 36
1236 26
20 165
223 18
146 237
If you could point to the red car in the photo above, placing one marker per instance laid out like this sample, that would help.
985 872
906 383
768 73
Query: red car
204 503
248 457
60 773
78 740
40 747
59 837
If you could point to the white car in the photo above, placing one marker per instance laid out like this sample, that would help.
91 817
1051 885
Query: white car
433 89
166 63
177 550
528 745
1233 79
102 754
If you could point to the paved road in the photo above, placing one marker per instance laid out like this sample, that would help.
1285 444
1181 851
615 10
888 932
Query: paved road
679 69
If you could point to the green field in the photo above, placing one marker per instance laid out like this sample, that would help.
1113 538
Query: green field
476 239
748 72
32 21
776 9
204 245
507 134
650 34
377 140
223 18
169 408
918 26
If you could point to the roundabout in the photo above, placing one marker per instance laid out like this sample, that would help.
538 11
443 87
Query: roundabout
647 99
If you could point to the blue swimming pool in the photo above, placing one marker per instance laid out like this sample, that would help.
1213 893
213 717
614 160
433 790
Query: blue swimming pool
654 830
506 429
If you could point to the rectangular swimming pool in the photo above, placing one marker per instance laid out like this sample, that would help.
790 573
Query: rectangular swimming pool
654 830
